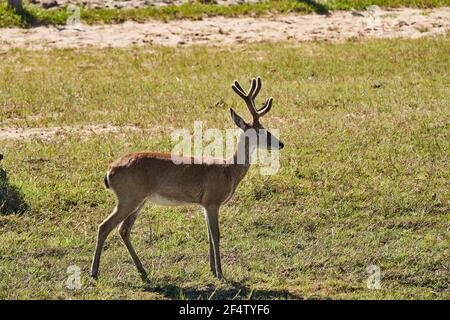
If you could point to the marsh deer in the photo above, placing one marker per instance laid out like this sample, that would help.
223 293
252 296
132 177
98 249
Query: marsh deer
138 177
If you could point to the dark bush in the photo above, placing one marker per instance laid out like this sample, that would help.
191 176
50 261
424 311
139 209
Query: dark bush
11 199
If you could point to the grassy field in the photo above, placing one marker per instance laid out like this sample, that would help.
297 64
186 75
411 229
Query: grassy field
364 176
34 15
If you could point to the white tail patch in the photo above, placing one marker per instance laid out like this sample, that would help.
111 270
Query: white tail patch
158 199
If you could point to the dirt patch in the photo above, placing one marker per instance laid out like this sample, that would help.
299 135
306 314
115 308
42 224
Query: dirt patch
396 23
48 133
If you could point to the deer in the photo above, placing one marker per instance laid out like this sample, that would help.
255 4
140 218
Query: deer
153 176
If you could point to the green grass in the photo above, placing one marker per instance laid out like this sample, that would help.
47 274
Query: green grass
37 16
364 176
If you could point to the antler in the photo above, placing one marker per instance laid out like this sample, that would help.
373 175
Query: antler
249 98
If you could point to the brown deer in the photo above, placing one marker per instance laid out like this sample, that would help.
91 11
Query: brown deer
138 177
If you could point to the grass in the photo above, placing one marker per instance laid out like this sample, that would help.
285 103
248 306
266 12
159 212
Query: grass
11 199
37 16
364 176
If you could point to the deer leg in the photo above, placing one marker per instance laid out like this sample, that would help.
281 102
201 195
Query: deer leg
212 219
125 232
121 211
212 261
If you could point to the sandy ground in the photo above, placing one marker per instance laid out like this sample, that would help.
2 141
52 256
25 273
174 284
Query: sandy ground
340 25
48 133
119 4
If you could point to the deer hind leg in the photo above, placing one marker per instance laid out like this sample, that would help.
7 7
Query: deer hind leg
122 210
212 222
125 232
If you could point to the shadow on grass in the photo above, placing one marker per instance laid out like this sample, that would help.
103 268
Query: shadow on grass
229 290
28 18
11 199
317 7
32 16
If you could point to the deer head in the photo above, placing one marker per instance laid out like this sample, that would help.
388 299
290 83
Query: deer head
264 139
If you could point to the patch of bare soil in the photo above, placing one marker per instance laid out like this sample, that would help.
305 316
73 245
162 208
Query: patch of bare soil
126 4
341 25
48 133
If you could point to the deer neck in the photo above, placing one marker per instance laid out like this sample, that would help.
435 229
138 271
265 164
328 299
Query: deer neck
241 160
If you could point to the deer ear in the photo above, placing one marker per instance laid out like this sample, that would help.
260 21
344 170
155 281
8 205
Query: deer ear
238 120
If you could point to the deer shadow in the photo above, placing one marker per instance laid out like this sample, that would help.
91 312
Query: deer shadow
11 198
317 7
31 18
228 291
26 17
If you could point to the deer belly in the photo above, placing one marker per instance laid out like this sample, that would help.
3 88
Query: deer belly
164 201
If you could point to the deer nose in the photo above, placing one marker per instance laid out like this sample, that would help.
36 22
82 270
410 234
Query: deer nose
281 146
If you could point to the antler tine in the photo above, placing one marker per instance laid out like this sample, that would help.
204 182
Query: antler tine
251 100
237 86
239 91
258 87
253 88
266 107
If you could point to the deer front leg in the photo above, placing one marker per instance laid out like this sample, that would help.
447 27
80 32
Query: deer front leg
212 260
212 222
